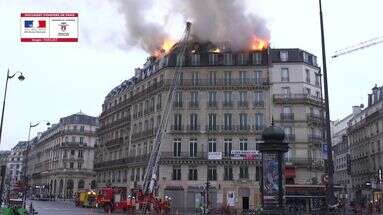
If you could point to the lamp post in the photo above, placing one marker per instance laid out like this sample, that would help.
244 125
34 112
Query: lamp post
21 78
26 159
330 184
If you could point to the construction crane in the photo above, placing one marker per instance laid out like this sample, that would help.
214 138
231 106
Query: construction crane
359 46
150 178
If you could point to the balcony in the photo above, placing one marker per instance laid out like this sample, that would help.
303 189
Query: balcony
297 99
243 104
114 142
183 155
258 128
287 117
258 104
193 105
193 129
315 119
228 104
289 138
177 128
316 139
316 163
212 129
212 104
243 82
177 105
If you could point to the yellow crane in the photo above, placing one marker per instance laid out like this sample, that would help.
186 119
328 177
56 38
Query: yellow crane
359 46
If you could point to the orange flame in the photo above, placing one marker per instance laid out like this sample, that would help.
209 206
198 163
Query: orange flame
258 44
167 44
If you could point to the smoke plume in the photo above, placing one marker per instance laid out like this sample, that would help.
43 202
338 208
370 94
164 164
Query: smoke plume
213 20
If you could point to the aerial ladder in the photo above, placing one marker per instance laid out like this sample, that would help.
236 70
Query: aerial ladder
359 46
150 178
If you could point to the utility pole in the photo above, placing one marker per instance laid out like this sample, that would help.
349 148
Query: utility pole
330 184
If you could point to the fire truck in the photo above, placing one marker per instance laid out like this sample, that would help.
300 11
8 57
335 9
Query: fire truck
112 198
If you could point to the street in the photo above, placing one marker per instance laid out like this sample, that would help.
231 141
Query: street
62 208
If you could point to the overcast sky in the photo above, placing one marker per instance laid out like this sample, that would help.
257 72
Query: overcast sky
64 78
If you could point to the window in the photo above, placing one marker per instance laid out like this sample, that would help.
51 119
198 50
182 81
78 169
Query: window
177 147
258 98
193 148
79 165
227 118
81 139
227 77
178 99
180 59
227 98
243 144
195 59
176 173
242 58
193 122
212 145
82 128
228 144
317 79
307 76
193 174
212 98
258 77
307 91
284 55
257 58
159 102
137 174
243 172
80 155
242 97
257 173
212 121
227 59
194 99
242 77
305 57
212 173
71 165
243 121
259 121
73 139
177 122
228 173
286 91
72 152
213 59
285 76
212 78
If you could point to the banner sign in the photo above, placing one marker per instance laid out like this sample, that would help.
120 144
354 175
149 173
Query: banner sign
215 156
245 155
49 27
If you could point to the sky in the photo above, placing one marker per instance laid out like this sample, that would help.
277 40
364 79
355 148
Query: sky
65 78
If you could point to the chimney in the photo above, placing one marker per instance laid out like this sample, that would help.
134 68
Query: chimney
137 73
356 109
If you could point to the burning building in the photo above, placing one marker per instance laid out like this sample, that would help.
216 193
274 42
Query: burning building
225 100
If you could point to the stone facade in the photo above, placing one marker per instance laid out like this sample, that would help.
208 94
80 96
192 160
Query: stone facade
61 158
365 135
224 102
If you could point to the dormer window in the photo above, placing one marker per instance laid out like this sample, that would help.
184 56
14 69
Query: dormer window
227 59
284 55
242 58
195 59
257 58
180 59
213 59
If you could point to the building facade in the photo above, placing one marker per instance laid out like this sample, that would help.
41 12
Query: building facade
365 135
15 165
61 158
223 104
342 154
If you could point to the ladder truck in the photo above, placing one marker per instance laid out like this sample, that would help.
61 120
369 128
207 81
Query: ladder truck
150 179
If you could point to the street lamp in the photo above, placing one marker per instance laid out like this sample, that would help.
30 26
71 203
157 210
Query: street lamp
26 158
330 184
21 78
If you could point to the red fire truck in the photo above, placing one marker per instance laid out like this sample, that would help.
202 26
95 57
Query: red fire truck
112 198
